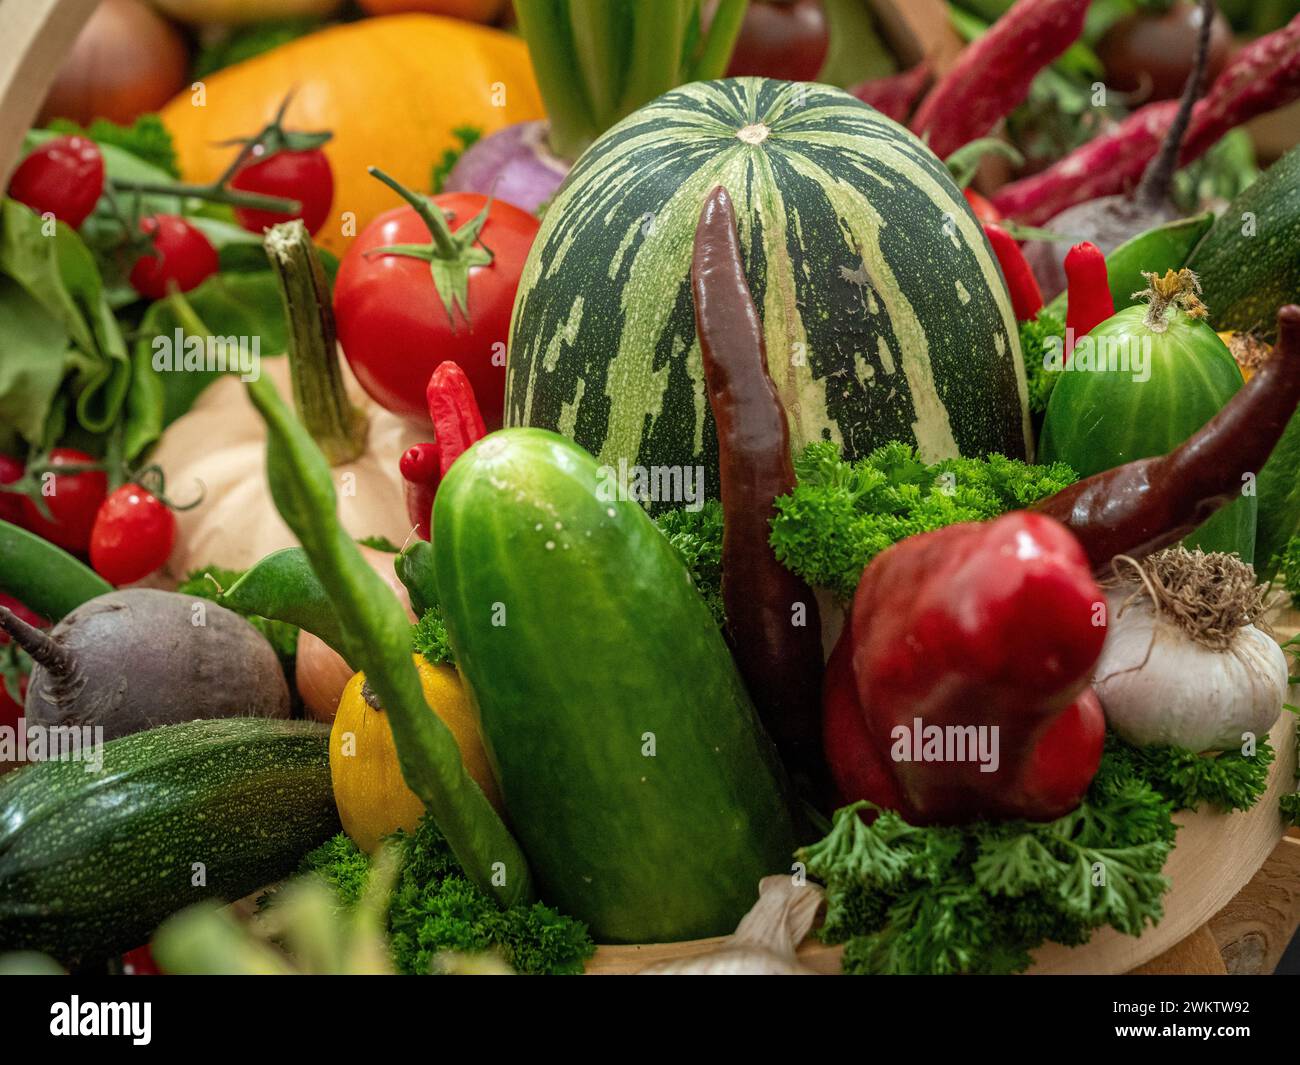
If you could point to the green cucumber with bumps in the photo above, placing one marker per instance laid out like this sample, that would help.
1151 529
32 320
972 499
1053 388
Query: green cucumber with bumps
635 772
92 861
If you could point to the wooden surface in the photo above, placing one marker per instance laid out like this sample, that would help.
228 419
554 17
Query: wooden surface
1254 929
35 35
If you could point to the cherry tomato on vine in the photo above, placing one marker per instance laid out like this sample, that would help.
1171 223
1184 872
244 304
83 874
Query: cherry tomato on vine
305 176
133 535
73 499
394 322
785 39
64 176
183 256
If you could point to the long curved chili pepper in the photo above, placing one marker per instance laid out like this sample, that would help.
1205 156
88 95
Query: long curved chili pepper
1145 505
1026 296
773 620
457 421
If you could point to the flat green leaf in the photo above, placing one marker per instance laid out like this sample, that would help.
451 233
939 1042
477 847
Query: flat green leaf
35 345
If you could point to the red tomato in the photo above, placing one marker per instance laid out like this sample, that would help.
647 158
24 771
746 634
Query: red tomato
785 39
139 962
184 257
133 535
73 500
64 176
982 206
303 176
391 320
11 504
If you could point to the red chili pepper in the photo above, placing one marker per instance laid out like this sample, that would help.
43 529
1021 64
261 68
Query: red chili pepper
1089 302
896 96
1145 505
981 206
457 422
959 689
1264 76
772 616
1026 297
992 75
421 468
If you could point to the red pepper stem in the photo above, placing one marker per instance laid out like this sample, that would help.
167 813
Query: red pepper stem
319 396
429 213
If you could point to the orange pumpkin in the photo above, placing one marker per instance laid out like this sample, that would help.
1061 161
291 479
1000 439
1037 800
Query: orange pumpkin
391 89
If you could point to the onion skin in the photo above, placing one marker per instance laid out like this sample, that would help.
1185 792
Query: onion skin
514 164
126 61
319 672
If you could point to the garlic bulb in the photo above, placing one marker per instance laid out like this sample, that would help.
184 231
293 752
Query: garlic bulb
1183 665
764 942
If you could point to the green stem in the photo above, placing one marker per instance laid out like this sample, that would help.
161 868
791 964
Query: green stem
721 39
379 637
319 397
597 33
429 213
658 31
254 201
545 24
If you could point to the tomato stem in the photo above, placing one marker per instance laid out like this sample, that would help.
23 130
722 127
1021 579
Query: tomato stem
319 396
429 213
215 193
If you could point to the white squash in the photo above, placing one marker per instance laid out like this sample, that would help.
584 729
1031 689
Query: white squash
220 444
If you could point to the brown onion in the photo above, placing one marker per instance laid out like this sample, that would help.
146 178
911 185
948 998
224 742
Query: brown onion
128 60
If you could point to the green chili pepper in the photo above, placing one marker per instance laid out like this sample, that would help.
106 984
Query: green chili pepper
415 570
376 633
43 577
284 587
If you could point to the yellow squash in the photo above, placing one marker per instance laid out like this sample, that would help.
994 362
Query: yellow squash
372 797
391 89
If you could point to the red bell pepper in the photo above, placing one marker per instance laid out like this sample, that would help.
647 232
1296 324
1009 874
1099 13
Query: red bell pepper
959 690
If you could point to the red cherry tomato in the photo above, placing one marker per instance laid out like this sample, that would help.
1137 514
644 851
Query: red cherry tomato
64 176
11 503
785 39
391 320
133 535
304 176
72 499
183 256
982 206
139 962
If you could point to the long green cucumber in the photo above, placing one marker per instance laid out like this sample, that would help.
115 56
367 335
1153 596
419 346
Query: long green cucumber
632 764
91 861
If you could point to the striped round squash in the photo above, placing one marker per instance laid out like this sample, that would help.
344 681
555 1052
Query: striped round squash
885 315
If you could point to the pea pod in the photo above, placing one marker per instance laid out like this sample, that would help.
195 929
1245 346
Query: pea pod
1165 247
377 638
44 577
284 587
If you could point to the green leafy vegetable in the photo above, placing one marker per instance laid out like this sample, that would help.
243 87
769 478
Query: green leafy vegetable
146 138
1289 570
1227 781
429 637
980 898
841 514
434 908
249 41
697 536
1034 336
468 136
